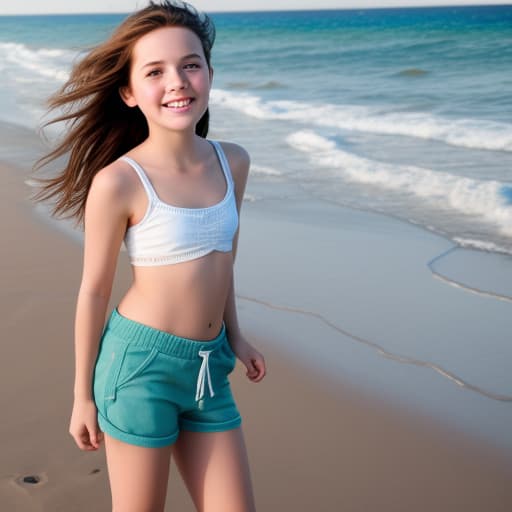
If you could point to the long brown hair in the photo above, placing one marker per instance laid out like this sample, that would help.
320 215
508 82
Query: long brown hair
101 127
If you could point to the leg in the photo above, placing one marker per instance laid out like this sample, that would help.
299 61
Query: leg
215 469
138 476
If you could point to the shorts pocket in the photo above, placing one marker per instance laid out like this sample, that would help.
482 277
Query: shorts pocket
113 369
135 361
126 363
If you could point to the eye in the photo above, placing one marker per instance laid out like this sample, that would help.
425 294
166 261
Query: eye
192 65
154 72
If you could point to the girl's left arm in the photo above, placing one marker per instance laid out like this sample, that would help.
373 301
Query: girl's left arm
253 360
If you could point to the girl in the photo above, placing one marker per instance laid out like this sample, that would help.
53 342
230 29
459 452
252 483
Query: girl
154 380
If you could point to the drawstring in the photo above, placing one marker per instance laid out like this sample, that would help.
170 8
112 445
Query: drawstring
204 373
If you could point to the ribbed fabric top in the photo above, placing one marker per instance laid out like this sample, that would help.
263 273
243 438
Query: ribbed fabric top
170 234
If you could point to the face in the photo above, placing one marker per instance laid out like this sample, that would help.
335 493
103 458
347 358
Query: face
169 79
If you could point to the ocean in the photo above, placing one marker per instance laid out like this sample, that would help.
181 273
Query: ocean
405 112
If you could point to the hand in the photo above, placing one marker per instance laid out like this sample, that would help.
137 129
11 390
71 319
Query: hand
83 426
250 357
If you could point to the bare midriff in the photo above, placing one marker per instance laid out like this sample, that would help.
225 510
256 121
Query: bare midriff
186 299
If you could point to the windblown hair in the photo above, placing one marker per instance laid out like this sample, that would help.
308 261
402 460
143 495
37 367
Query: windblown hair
101 127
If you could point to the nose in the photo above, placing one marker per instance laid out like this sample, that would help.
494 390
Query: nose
177 81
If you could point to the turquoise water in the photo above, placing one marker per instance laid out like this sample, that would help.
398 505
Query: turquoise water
403 111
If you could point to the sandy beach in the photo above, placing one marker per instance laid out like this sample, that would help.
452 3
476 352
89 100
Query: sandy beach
335 432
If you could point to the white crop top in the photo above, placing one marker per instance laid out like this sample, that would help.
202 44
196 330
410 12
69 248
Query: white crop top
170 234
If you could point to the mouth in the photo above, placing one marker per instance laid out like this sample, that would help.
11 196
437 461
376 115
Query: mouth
178 104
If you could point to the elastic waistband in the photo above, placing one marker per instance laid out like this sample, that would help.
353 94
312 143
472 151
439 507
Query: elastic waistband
144 336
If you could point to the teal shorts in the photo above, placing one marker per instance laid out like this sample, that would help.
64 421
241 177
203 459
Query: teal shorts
150 384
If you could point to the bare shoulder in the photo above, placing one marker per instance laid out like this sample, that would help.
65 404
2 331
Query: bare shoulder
113 189
115 178
239 161
115 182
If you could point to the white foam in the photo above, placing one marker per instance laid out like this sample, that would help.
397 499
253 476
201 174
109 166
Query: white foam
249 198
481 245
267 171
484 198
468 133
29 77
36 64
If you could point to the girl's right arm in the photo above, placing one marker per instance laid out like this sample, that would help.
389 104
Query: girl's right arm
105 220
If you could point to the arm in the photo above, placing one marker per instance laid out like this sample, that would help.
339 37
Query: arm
106 215
230 315
253 360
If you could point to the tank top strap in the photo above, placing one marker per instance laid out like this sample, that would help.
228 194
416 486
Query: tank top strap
150 191
223 162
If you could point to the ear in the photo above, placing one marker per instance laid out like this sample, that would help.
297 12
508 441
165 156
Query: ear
126 95
211 76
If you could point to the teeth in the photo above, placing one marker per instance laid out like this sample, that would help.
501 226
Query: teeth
179 104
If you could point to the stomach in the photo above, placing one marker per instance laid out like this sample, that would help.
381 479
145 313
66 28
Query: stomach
186 299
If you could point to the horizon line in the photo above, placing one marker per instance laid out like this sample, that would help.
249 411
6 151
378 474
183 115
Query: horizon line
229 11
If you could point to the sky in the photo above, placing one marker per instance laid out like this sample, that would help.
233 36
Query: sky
65 6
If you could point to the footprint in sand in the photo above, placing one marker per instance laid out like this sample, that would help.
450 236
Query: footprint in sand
32 480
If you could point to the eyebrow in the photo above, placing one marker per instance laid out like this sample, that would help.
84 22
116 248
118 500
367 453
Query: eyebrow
160 62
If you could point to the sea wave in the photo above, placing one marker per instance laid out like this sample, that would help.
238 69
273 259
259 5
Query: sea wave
22 65
267 171
484 198
481 245
467 133
40 63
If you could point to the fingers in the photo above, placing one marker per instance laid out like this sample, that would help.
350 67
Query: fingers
256 370
94 436
88 438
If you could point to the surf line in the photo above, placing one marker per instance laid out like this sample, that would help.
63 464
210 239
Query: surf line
381 350
459 284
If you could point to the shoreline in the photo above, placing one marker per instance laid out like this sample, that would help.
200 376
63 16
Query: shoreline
314 441
362 304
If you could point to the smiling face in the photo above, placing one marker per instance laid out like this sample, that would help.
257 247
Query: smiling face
169 79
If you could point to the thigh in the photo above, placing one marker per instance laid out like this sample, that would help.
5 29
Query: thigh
215 469
138 476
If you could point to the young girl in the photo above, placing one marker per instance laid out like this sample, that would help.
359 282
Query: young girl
153 381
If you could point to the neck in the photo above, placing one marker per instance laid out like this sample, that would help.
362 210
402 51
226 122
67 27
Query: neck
178 150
